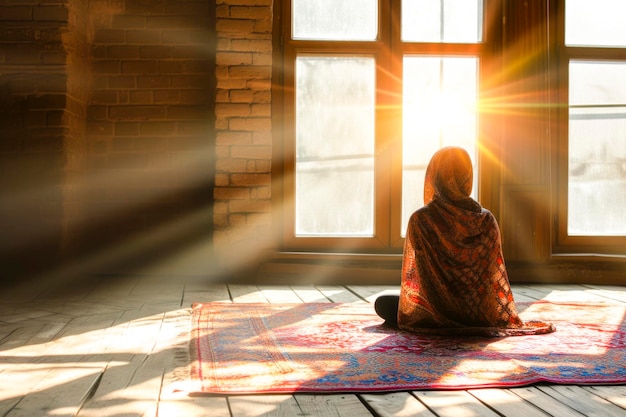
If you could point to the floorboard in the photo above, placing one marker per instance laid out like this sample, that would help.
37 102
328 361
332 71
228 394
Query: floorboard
613 394
507 403
115 348
398 404
583 401
454 404
543 401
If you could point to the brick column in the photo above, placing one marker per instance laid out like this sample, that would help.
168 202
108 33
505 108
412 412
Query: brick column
243 131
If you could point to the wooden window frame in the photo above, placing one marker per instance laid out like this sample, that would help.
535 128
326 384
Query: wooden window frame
388 50
564 243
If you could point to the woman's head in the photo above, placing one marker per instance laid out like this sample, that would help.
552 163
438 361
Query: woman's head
449 175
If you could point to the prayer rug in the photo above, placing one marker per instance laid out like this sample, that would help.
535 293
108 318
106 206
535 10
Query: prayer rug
331 348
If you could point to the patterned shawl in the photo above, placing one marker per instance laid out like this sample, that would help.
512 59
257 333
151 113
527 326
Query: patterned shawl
454 281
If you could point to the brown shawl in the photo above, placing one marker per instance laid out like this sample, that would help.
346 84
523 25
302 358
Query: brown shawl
454 281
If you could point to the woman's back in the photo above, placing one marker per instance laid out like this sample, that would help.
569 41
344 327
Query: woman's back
454 280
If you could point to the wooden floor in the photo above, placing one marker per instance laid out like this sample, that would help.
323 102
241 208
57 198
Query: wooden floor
110 349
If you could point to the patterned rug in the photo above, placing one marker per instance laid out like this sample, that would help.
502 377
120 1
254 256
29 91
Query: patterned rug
329 348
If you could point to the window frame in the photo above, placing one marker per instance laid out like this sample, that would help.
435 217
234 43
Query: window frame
563 243
388 50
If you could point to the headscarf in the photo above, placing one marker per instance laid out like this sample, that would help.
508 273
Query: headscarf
454 280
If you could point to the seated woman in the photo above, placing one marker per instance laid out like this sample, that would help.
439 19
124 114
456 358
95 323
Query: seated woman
454 281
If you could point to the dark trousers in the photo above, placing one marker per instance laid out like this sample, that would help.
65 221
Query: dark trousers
386 307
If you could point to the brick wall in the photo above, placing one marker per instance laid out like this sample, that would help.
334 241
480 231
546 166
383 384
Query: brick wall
33 84
135 133
107 151
243 131
146 193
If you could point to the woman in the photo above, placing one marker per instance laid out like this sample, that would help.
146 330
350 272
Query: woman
454 280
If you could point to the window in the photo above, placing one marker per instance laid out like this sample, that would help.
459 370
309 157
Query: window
367 101
594 65
335 140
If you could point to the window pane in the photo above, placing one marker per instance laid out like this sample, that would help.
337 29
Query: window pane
597 83
597 149
595 23
449 21
355 20
335 109
439 109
